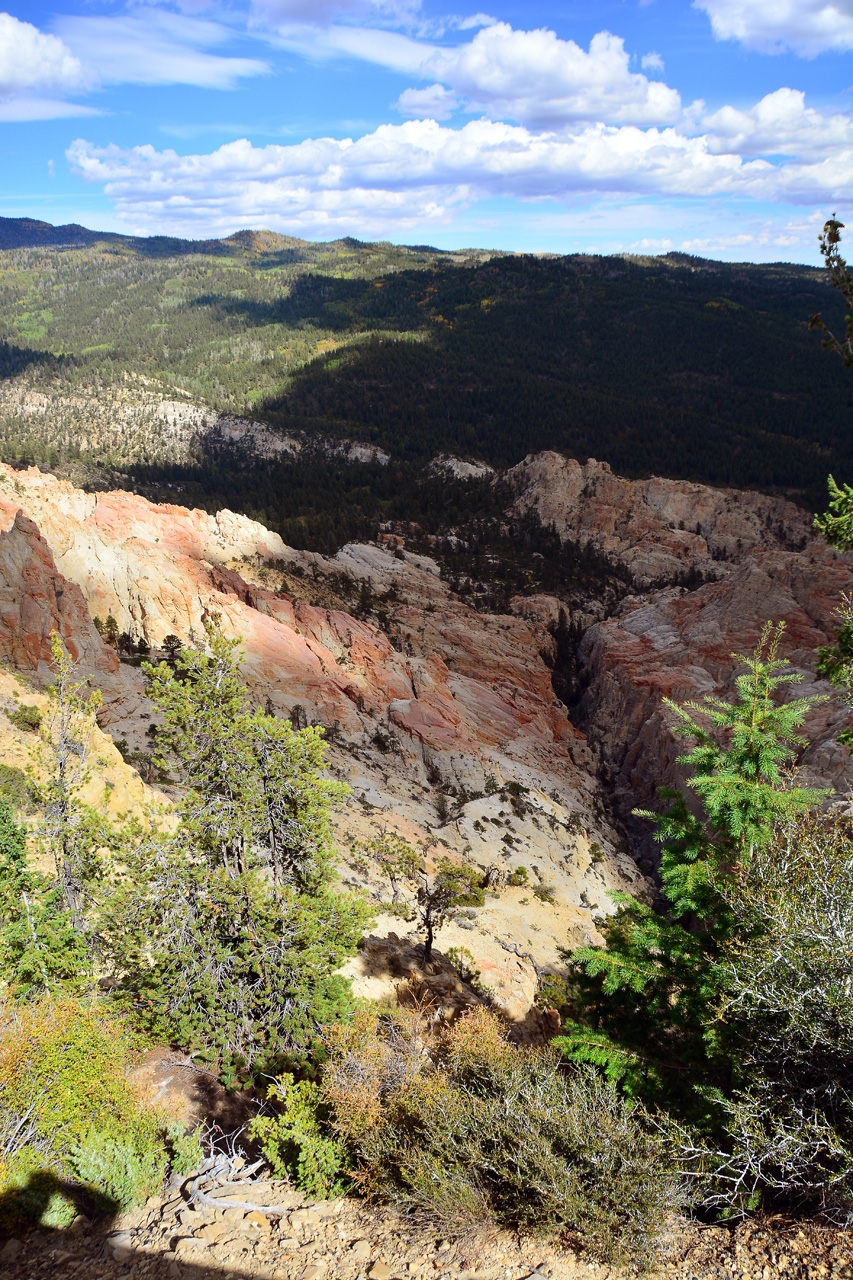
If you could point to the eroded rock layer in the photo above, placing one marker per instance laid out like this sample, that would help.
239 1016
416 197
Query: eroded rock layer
443 702
750 558
432 706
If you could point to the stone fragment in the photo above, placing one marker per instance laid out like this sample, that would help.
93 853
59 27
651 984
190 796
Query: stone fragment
11 1249
215 1232
361 1250
120 1245
256 1219
379 1271
191 1244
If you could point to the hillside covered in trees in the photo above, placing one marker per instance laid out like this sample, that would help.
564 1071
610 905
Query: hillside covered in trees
672 366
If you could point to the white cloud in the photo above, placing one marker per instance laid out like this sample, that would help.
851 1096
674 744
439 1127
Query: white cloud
780 124
435 102
529 76
808 27
320 12
157 48
652 62
403 175
542 81
19 109
29 60
389 49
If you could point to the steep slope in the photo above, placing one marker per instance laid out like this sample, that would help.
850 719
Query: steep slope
677 366
761 561
430 705
418 716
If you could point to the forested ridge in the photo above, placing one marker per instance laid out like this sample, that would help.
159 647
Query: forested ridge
673 366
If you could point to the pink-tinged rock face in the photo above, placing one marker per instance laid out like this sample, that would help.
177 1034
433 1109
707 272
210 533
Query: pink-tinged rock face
468 688
658 529
450 695
36 600
456 696
678 643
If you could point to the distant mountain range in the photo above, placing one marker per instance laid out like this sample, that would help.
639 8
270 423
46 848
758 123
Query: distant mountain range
30 233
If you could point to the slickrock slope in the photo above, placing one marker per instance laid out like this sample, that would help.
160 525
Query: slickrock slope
660 530
446 697
761 561
423 708
111 784
36 600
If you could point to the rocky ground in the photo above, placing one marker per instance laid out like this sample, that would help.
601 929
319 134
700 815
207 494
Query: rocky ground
345 1238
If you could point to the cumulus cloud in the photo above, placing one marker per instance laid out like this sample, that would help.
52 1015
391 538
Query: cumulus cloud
29 60
435 103
402 175
807 27
157 48
652 62
541 81
780 124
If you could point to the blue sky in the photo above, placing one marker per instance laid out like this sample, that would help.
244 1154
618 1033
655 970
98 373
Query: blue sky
722 127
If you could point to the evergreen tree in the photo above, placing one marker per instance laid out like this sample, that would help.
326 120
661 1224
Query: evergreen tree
40 950
645 1001
256 795
71 833
225 934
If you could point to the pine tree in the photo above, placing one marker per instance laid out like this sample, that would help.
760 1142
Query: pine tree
256 795
70 833
225 935
40 950
644 1002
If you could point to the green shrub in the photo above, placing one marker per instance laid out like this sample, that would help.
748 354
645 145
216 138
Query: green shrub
545 893
16 787
26 717
466 1128
63 1082
519 877
296 1138
788 1125
123 1172
185 1150
464 963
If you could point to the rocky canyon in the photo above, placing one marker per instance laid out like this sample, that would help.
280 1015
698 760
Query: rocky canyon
433 707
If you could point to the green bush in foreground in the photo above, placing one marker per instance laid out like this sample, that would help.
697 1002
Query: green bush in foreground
72 1131
296 1139
467 1129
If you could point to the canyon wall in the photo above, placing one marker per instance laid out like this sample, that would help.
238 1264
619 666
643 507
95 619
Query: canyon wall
430 706
442 703
760 560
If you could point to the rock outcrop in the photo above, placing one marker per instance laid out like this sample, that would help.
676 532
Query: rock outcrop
661 531
761 562
441 702
431 707
37 600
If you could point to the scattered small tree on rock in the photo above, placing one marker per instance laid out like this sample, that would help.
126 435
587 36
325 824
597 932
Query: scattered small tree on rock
432 897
